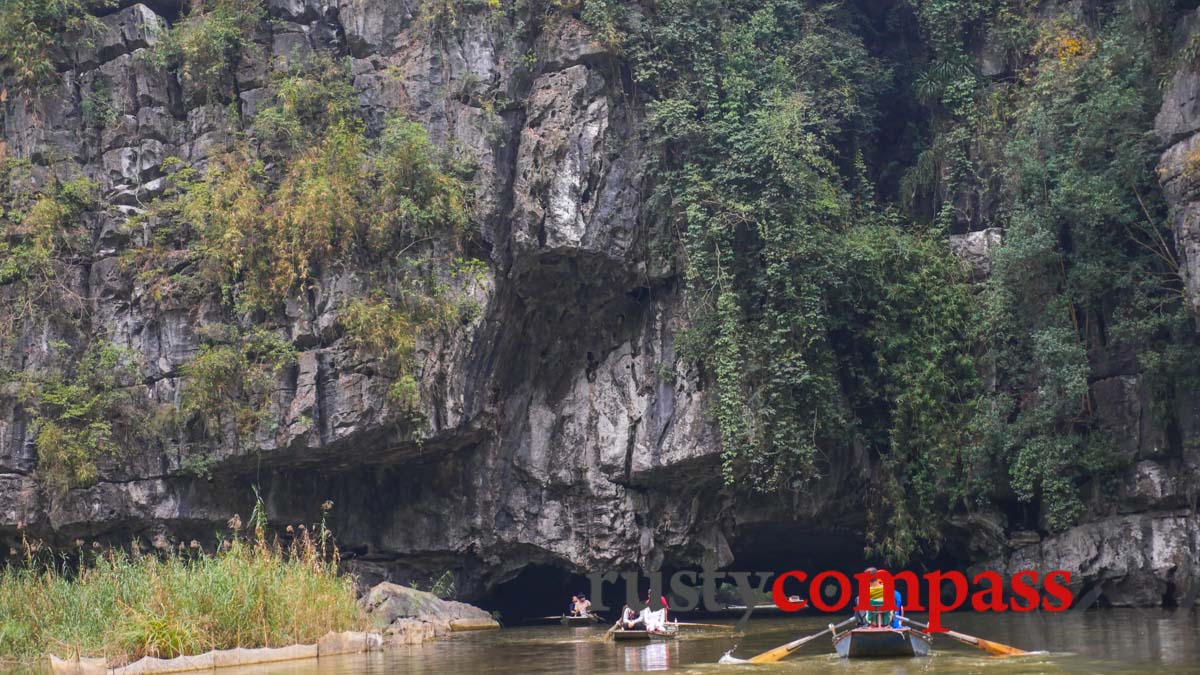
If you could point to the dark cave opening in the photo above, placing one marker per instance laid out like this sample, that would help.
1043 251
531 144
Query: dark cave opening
537 591
546 590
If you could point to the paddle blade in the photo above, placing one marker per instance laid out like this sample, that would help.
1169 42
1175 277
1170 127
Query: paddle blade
773 656
998 648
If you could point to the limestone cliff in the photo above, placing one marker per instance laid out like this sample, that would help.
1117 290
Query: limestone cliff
559 426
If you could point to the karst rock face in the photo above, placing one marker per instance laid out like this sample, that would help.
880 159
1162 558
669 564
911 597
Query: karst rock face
560 427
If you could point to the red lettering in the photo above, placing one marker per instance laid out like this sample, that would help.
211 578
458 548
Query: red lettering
936 607
1057 591
781 597
863 598
818 599
1025 591
991 599
911 599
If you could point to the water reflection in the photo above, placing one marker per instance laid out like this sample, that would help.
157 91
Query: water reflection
1129 641
649 656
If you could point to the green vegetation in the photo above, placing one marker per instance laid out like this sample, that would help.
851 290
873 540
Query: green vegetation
335 198
1062 154
344 199
251 592
375 326
79 406
96 104
802 286
444 586
41 234
31 30
206 45
231 380
827 310
78 419
304 100
40 229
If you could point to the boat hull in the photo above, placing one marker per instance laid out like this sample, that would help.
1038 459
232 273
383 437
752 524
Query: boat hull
640 635
881 643
578 620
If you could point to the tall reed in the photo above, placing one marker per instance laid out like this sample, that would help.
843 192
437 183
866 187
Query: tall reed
249 592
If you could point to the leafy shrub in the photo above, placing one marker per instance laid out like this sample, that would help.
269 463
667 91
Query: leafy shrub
80 416
231 379
206 45
376 326
303 102
339 201
32 30
41 235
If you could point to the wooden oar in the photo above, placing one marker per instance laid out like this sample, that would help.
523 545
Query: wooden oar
780 652
543 618
702 625
996 648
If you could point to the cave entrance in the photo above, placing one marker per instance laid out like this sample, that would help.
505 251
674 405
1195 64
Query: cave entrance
538 590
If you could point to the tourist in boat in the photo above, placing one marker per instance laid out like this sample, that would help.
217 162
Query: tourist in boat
629 618
871 617
573 609
655 619
583 606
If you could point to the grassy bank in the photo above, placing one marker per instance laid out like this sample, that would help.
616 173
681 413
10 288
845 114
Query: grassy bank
249 593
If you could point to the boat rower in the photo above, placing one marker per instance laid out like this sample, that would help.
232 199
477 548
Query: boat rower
629 618
880 617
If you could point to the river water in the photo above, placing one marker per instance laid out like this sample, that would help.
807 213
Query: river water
1107 641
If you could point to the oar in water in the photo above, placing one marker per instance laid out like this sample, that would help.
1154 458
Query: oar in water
996 648
780 652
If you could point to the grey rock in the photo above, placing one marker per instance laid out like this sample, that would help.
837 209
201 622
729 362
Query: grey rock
252 100
296 10
290 46
573 190
993 57
133 28
976 249
569 42
387 602
1180 112
372 25
1138 560
1122 410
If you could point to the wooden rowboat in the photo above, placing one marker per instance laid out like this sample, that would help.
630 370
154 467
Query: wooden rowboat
642 635
881 642
580 620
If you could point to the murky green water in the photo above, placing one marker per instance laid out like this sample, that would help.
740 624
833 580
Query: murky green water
1131 641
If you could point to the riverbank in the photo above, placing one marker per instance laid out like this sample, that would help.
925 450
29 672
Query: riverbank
249 600
122 606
